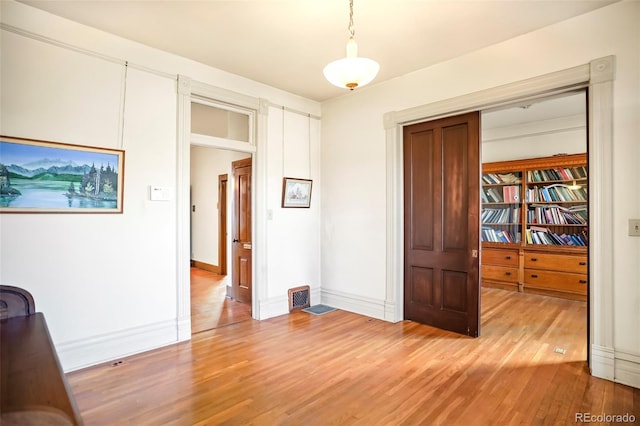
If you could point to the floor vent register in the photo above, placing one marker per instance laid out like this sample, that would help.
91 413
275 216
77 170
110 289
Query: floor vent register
299 298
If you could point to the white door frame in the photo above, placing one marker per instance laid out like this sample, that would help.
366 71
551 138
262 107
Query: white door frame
189 90
597 76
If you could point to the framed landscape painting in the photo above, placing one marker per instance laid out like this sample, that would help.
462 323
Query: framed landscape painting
50 177
296 192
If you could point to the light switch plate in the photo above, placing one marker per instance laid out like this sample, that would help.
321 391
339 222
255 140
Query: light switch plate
634 227
159 193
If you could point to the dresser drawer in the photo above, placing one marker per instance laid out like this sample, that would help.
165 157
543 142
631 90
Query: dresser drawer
550 280
500 257
499 273
556 262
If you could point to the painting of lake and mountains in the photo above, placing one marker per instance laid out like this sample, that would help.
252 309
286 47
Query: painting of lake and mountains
46 177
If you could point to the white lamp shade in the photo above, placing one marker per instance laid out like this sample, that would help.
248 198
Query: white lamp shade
352 72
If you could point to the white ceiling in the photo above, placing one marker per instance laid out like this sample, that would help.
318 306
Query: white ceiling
565 105
287 43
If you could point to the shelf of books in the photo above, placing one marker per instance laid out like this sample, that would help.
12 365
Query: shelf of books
557 206
536 202
501 207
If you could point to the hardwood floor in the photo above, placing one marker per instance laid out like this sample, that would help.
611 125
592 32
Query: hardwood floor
343 368
209 306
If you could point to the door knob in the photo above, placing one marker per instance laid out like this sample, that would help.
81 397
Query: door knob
235 241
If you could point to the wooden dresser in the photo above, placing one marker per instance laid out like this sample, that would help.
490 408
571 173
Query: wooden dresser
33 388
555 274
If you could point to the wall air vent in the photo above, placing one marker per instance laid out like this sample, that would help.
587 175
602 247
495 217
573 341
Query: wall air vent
299 298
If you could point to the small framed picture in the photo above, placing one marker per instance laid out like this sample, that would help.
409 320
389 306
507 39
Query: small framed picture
296 192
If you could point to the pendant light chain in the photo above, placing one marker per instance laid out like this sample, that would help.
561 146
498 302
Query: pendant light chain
352 32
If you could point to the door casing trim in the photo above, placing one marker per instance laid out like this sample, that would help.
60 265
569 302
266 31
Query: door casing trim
189 89
223 203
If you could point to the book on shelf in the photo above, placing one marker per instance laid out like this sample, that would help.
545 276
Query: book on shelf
558 174
555 193
553 214
580 212
500 178
538 229
509 177
505 215
511 193
499 235
540 235
494 196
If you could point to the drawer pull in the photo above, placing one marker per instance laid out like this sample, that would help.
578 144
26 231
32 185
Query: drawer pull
507 273
582 263
508 257
534 276
583 281
534 259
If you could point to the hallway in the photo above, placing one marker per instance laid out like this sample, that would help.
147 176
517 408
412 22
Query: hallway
210 308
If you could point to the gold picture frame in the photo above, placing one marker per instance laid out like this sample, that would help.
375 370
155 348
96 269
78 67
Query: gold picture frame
39 176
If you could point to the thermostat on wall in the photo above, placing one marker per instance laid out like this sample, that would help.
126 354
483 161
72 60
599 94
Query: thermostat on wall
159 193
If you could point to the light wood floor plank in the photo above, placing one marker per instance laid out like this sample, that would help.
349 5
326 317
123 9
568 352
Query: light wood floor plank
210 308
346 369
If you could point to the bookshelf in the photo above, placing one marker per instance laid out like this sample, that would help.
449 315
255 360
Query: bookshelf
534 228
501 208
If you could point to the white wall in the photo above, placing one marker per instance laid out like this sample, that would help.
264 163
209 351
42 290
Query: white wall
565 135
93 274
107 283
206 165
293 251
353 154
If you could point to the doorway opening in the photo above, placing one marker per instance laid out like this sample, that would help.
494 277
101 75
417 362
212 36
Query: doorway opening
598 76
216 215
213 301
533 222
535 217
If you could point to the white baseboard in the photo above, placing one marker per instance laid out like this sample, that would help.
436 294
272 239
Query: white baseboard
353 303
602 362
273 307
615 365
316 296
184 328
390 312
627 368
108 347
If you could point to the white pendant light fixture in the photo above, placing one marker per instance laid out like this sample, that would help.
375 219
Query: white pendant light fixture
352 71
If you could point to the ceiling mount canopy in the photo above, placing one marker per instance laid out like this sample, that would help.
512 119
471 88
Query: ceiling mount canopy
352 71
